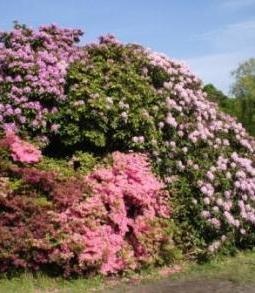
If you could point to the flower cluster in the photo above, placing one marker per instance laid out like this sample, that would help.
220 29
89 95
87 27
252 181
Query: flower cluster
21 151
213 153
231 211
33 66
118 227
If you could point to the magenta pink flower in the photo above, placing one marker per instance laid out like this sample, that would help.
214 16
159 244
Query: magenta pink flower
117 227
22 151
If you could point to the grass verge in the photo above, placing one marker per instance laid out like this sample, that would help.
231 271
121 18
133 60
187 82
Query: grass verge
239 269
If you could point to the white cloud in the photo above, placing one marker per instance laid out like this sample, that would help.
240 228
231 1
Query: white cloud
217 68
230 45
231 37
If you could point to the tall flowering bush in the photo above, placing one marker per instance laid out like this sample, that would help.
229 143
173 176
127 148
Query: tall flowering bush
128 97
208 160
112 220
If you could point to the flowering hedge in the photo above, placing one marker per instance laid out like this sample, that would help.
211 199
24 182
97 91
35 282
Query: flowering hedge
104 98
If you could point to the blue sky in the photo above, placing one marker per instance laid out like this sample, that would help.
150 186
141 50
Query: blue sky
212 36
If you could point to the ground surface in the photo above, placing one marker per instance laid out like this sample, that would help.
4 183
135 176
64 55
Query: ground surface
224 275
227 275
193 286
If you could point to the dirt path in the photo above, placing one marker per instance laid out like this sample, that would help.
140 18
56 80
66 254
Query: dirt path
193 286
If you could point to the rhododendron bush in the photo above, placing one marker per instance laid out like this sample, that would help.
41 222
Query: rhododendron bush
142 100
80 104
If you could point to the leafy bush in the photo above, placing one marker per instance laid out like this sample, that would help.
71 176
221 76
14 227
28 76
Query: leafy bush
112 220
79 163
110 99
120 226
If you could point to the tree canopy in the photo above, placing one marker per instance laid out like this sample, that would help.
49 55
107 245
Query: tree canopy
244 90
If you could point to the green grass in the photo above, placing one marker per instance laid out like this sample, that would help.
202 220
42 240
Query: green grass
27 283
239 269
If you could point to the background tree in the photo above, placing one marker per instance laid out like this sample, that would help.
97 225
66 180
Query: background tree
244 90
214 94
226 104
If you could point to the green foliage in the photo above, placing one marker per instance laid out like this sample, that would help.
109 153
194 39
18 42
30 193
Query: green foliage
244 78
110 101
228 105
85 161
60 166
214 94
81 162
190 234
231 106
244 90
170 252
15 184
243 105
42 202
